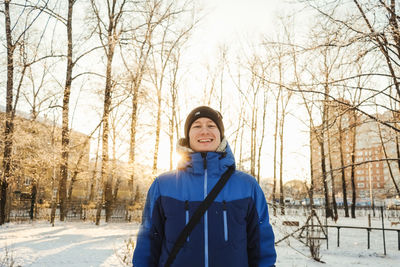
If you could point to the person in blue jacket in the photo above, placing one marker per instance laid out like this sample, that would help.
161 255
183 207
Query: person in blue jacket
234 231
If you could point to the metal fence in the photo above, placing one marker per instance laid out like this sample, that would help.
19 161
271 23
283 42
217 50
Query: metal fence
295 226
360 211
122 212
77 211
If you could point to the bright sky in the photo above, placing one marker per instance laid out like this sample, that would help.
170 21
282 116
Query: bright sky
232 22
236 23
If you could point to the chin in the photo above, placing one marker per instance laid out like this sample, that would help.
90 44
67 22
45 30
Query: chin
205 149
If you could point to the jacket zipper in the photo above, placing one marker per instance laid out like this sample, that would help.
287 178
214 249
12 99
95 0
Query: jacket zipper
204 155
187 215
225 221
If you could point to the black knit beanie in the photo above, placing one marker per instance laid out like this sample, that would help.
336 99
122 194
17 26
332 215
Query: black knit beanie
201 112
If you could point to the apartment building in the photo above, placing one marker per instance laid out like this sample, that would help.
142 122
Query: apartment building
36 156
373 174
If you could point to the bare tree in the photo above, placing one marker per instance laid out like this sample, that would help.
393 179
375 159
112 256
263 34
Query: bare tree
15 41
275 146
284 105
94 181
62 189
140 46
109 30
282 98
260 146
373 37
332 176
342 163
172 36
381 134
173 103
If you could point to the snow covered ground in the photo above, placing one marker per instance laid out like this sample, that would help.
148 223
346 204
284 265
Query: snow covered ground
84 244
353 250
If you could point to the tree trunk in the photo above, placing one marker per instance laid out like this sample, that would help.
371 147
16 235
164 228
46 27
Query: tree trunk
253 140
9 121
106 177
236 140
71 186
328 210
353 183
343 173
132 144
398 151
325 118
172 129
116 188
33 201
241 148
334 204
174 96
158 129
65 120
281 197
262 138
311 190
275 150
94 180
387 162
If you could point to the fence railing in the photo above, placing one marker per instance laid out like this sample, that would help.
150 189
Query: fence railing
369 229
381 214
77 212
360 211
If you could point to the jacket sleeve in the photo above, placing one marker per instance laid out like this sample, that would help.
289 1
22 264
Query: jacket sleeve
151 232
260 237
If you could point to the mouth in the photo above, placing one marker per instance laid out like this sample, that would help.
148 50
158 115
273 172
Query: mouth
205 140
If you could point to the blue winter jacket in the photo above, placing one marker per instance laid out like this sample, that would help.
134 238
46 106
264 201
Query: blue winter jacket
234 231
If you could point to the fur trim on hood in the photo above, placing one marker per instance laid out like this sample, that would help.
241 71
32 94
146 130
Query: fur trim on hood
183 149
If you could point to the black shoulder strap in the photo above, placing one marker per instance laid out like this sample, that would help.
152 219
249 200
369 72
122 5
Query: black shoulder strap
198 214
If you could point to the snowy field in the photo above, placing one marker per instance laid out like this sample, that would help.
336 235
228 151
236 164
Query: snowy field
84 244
353 250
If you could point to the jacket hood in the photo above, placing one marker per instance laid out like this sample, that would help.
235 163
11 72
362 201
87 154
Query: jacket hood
217 161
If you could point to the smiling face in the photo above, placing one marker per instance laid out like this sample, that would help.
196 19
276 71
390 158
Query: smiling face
204 135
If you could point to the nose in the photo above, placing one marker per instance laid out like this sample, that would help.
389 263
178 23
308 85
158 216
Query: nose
203 129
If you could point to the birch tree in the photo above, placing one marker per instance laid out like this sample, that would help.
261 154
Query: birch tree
109 28
172 37
18 21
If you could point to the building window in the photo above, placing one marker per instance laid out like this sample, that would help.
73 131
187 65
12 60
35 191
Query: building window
27 181
360 185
